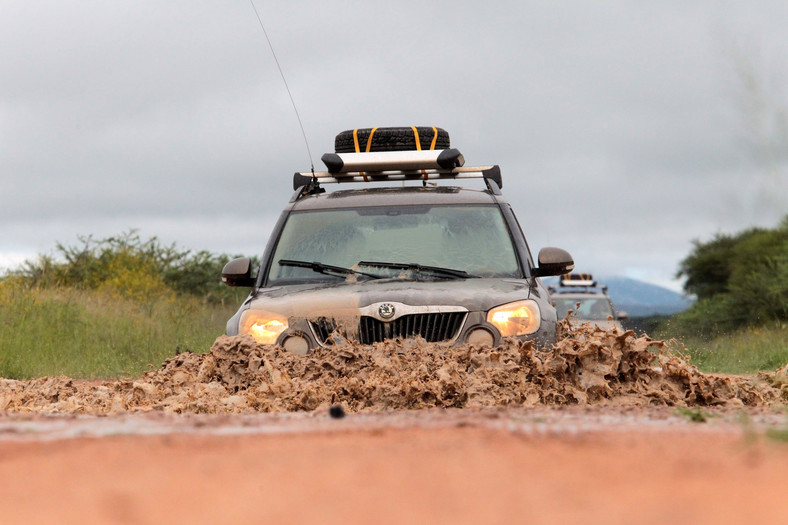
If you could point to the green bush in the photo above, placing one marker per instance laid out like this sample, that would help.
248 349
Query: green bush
130 267
741 281
708 267
111 307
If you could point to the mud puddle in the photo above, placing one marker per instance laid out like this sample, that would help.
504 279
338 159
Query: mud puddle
588 367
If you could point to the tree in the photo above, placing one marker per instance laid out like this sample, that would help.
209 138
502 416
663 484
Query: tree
740 280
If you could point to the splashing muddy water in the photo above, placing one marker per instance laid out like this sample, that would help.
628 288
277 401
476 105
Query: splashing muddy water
589 366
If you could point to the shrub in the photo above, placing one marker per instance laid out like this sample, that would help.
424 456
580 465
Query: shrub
741 281
136 269
110 307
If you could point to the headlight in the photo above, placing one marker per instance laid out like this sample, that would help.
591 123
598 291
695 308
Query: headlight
519 318
264 326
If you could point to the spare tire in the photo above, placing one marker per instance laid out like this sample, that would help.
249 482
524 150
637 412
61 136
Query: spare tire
391 139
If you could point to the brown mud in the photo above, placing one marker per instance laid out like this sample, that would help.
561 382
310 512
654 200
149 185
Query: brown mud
587 367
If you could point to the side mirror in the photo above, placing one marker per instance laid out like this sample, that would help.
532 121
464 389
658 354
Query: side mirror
622 316
238 272
553 261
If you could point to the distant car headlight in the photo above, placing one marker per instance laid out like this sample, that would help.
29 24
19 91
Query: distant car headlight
264 326
518 318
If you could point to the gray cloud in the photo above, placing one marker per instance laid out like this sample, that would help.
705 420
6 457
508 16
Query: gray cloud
616 124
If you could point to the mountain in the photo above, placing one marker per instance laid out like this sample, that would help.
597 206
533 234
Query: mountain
640 299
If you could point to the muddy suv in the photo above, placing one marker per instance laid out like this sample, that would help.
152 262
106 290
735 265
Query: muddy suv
445 263
587 300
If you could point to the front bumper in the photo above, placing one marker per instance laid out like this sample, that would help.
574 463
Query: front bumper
448 313
451 329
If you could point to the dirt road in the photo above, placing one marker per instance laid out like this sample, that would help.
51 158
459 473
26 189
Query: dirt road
514 465
606 427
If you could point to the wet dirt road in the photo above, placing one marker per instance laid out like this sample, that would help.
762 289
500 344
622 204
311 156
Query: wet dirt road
501 465
600 429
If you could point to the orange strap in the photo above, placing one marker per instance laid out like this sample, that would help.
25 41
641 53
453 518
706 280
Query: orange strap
355 140
418 147
369 140
416 135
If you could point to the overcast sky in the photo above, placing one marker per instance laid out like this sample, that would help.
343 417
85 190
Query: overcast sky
624 130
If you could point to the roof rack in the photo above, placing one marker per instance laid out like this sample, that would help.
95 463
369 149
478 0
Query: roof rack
578 279
395 166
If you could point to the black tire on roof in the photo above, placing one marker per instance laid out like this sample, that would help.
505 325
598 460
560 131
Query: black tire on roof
391 139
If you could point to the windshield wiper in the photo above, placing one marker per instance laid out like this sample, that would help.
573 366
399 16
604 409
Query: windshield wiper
326 269
446 272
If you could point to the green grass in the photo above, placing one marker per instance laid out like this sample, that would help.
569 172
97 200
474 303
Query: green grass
97 334
696 415
778 434
744 352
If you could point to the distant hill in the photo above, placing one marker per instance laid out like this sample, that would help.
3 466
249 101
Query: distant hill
640 299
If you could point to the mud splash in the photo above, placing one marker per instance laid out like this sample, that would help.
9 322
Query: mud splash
590 366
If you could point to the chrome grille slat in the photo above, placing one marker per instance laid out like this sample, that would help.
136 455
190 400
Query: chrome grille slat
457 324
440 324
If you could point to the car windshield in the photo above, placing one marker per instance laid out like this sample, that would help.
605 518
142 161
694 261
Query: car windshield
593 309
467 238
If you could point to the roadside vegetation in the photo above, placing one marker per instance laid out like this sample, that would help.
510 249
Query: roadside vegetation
110 308
115 307
739 324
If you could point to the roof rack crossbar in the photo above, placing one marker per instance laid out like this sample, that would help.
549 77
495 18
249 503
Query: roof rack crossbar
579 284
446 159
482 172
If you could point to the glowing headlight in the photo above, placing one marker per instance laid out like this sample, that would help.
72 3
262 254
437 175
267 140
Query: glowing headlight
518 318
265 327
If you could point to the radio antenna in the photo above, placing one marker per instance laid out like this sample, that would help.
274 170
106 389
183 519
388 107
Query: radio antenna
260 20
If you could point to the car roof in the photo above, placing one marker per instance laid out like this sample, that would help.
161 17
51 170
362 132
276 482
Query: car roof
395 196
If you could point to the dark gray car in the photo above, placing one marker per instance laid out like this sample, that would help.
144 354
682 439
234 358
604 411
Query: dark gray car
588 302
445 263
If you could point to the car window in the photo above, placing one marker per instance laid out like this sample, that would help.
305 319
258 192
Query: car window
590 308
471 238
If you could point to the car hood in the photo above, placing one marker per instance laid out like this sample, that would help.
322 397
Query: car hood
344 298
606 324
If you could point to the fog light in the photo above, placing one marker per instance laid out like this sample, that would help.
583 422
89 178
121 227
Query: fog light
480 337
296 344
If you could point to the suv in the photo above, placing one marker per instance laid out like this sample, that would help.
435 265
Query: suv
445 263
588 300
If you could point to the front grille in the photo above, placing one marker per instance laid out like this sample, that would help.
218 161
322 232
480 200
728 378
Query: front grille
433 327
